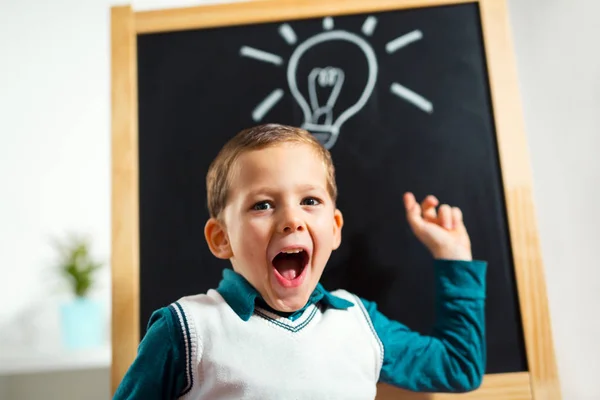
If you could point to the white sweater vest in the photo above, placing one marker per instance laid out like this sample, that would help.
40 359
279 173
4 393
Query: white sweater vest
325 354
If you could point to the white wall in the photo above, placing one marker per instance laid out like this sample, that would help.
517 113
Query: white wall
54 173
55 159
559 69
54 145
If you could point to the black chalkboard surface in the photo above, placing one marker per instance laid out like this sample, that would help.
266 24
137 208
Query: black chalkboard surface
402 100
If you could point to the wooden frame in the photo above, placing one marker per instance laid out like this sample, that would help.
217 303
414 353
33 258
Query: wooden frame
541 381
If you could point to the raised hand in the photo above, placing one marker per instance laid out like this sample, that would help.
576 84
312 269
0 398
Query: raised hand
440 229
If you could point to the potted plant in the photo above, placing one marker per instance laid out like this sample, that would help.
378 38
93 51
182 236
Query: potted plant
81 316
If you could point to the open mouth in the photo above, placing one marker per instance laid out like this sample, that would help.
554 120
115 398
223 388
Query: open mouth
289 264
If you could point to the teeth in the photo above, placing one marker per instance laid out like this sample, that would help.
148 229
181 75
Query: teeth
292 251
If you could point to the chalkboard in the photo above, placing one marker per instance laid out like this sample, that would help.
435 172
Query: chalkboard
403 98
197 89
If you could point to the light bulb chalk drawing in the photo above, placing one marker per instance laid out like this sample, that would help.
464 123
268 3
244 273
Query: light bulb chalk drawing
319 115
328 131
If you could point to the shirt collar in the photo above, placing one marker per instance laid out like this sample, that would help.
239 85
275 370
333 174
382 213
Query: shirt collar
241 296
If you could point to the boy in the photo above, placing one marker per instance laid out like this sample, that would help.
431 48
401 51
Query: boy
270 330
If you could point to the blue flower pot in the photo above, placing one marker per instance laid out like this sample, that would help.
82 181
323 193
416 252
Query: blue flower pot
82 324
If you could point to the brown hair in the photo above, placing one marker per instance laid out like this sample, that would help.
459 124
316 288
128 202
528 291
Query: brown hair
256 138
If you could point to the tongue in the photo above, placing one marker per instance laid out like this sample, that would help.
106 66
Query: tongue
288 266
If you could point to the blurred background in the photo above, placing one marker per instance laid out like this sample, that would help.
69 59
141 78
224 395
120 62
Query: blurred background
55 187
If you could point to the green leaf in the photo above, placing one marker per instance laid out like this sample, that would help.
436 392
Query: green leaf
76 264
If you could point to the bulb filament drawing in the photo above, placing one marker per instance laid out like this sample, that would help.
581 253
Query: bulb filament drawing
324 77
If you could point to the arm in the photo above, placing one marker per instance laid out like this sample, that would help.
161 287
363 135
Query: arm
453 358
158 369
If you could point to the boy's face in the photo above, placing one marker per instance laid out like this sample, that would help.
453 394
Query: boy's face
280 224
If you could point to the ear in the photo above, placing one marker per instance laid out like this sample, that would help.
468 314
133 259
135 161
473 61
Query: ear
217 240
338 223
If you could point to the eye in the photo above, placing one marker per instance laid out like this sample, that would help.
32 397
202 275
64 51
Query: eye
310 201
262 206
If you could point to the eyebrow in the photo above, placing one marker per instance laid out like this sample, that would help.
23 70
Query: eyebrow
309 187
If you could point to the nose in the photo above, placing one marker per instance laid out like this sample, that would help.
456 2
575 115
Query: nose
290 221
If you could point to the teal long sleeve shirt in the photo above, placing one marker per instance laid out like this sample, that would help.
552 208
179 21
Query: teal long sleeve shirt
451 358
